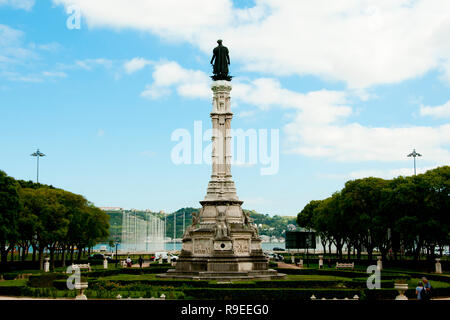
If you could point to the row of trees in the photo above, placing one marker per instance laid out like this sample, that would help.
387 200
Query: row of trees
45 218
405 215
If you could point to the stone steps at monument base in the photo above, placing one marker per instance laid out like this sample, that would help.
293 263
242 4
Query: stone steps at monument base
224 276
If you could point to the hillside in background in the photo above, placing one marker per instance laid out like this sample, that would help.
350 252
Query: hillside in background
267 225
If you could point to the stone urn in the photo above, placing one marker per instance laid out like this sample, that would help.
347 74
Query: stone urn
401 288
47 265
379 263
438 266
81 286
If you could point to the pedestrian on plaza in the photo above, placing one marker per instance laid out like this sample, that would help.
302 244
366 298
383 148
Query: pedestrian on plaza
426 292
419 290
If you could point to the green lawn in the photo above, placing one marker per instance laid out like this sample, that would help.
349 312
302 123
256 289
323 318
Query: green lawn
328 282
13 283
130 277
313 277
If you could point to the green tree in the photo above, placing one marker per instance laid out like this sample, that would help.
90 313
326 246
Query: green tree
360 205
9 209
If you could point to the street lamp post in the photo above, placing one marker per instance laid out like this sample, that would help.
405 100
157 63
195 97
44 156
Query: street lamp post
414 154
174 228
165 232
117 244
37 154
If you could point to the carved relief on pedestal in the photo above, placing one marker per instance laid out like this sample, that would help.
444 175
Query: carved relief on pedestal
241 247
202 246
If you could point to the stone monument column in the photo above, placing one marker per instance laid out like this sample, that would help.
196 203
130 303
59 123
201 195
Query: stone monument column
222 242
221 185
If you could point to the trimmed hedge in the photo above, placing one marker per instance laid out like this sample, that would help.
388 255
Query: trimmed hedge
136 271
281 284
268 294
361 283
10 275
342 273
45 280
11 290
61 284
432 277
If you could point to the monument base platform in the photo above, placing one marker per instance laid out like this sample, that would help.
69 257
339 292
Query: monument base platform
224 276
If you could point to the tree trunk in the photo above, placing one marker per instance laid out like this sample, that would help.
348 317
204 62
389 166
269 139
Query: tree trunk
24 253
79 254
72 249
358 252
417 251
52 258
349 251
41 259
369 253
12 253
63 256
33 258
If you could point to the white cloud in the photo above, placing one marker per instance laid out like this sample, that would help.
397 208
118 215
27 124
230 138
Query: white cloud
89 64
437 112
135 64
362 43
15 55
18 4
354 142
246 114
321 126
318 128
169 75
54 74
12 50
18 77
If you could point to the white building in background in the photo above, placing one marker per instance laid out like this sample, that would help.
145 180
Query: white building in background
111 208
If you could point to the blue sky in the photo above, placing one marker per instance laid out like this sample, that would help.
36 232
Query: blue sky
352 89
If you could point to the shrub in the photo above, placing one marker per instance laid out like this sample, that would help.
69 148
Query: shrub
268 294
44 280
10 275
11 290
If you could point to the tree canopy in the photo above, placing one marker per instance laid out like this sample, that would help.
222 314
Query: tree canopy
405 215
47 218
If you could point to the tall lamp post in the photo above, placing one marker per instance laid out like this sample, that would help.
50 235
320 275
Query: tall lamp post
117 244
414 154
37 154
174 228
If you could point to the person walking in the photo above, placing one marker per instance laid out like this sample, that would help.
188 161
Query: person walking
426 292
419 290
141 262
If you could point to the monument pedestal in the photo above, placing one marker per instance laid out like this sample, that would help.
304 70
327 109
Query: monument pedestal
222 242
